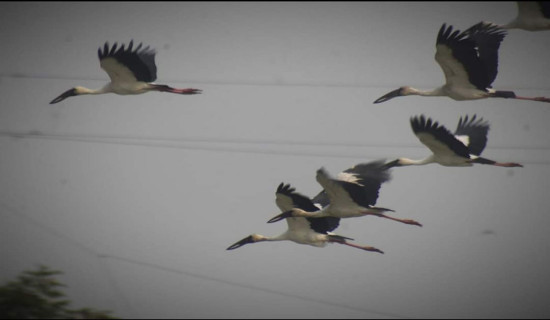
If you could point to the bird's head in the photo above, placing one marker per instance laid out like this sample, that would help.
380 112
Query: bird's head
69 93
402 91
284 215
250 239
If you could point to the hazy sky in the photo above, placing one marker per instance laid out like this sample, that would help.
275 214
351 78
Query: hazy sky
136 198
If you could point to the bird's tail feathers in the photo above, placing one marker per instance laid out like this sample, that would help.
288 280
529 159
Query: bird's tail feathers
504 94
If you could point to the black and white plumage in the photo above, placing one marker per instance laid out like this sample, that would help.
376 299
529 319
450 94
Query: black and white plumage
532 16
132 71
463 148
469 61
311 231
353 193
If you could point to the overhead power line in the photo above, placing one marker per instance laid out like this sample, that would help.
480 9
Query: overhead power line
257 146
251 287
255 82
113 282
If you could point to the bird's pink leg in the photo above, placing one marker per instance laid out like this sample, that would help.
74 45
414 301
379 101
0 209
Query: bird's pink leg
541 99
406 221
494 163
165 88
367 248
186 91
507 164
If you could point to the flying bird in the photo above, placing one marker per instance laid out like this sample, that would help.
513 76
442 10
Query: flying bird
469 61
463 148
132 71
532 16
311 231
353 193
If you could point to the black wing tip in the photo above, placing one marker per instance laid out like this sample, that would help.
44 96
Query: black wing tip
447 36
285 189
421 123
474 121
107 51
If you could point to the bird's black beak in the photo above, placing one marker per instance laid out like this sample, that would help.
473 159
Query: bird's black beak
241 243
64 95
389 95
284 215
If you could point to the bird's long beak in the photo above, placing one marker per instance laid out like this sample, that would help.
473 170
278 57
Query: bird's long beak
241 243
64 95
389 95
284 215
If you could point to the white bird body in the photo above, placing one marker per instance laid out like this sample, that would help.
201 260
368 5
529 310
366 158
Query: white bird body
461 149
300 232
310 231
532 16
352 194
469 61
341 203
131 72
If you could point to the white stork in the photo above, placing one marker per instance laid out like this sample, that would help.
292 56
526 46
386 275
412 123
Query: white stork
352 194
469 61
312 231
131 72
532 16
461 149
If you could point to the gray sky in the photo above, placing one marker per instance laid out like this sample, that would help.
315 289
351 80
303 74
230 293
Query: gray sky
136 198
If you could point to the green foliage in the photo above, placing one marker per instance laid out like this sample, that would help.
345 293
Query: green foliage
37 295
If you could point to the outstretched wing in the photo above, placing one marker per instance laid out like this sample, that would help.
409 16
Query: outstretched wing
323 225
343 193
437 138
127 65
470 58
287 198
475 130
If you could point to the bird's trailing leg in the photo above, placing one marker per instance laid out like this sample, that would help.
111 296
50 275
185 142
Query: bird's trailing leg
494 163
507 164
512 95
165 88
366 248
541 99
406 221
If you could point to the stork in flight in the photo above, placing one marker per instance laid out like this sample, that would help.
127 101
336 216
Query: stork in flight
352 194
131 72
469 61
532 16
459 150
311 231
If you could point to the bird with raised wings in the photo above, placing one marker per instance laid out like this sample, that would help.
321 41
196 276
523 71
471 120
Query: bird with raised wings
131 71
469 61
463 148
353 193
311 231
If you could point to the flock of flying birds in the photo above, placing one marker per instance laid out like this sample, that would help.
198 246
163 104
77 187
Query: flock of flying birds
469 60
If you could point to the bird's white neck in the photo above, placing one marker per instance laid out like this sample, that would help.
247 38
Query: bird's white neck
437 92
412 162
308 214
281 237
83 90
